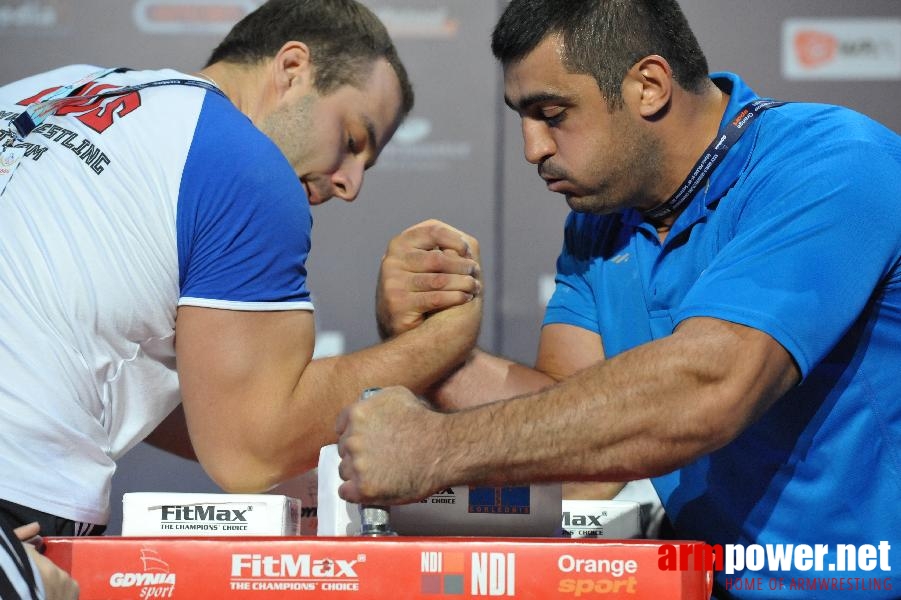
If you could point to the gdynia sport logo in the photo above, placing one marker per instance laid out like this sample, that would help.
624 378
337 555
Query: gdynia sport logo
849 568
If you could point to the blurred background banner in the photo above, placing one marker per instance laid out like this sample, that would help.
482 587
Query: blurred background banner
458 157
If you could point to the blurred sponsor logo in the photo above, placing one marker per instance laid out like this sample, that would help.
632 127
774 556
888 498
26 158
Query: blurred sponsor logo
814 48
418 22
413 130
411 149
199 16
33 15
841 49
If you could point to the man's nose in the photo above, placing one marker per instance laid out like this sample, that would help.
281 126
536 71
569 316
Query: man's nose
537 143
347 180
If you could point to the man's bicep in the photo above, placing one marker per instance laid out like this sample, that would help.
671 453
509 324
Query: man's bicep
564 349
746 369
237 368
172 435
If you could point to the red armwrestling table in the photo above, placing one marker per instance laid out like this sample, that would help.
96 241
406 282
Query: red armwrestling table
199 568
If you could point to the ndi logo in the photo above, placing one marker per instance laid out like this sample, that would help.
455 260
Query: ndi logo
493 574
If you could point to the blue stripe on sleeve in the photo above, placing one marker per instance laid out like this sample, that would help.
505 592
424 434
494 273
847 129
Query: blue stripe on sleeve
243 220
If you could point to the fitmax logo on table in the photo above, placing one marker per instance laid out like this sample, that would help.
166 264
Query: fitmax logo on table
294 572
203 517
204 512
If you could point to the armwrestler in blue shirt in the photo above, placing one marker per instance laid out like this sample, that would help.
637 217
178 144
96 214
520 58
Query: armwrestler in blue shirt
735 337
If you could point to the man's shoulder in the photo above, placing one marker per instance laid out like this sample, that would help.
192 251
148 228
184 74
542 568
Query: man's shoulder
819 141
230 136
802 123
15 91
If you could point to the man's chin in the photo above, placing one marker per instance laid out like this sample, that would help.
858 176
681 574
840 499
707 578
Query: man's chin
580 204
589 204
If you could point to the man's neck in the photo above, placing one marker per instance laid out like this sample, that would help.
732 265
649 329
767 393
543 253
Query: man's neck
690 129
241 84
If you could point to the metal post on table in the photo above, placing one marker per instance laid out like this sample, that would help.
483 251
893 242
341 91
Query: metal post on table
374 519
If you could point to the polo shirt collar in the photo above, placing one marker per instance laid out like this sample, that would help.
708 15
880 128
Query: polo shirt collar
725 175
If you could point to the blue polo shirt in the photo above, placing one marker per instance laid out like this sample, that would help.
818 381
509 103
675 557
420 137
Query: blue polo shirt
798 234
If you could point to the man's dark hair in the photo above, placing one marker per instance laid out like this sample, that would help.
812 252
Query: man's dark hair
345 39
604 38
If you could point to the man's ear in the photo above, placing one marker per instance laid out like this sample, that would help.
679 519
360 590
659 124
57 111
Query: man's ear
293 66
649 85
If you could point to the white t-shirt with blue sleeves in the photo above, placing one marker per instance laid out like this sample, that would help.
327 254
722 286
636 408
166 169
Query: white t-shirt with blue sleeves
121 210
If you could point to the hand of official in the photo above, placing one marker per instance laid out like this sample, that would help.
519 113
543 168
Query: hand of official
426 268
389 450
58 585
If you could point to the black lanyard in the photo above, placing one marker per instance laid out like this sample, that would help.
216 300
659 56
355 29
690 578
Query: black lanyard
36 112
712 157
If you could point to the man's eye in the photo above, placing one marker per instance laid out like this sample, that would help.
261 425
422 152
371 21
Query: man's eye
553 117
351 144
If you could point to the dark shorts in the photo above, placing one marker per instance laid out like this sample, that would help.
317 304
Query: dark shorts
15 515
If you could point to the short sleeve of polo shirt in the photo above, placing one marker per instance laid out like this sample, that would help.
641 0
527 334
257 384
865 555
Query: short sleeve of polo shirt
573 302
243 219
815 218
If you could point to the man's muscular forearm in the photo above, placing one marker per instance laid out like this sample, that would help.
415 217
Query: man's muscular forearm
486 378
278 424
642 413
